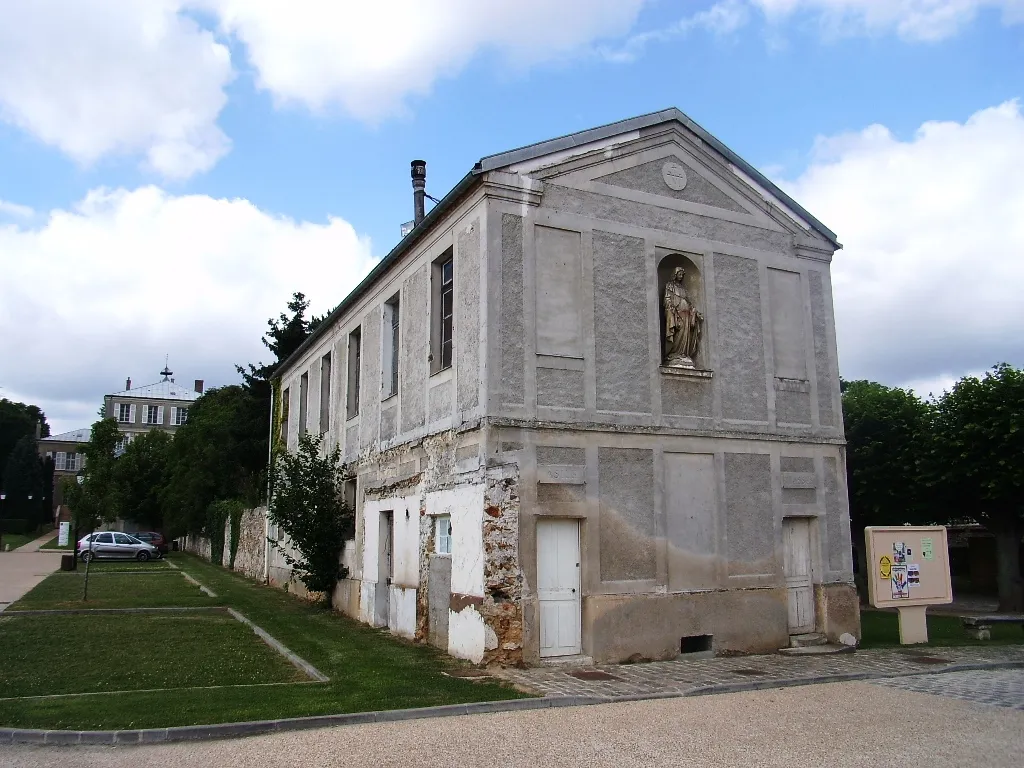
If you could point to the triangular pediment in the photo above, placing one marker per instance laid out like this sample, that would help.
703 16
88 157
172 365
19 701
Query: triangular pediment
664 159
670 178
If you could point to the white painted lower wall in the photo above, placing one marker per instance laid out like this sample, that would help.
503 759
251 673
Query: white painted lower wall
402 612
466 628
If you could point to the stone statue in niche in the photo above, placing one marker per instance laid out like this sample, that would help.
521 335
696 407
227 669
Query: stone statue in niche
683 324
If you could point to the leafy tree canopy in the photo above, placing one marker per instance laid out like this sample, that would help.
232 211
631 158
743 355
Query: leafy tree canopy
23 477
888 433
216 454
978 468
140 475
96 499
18 420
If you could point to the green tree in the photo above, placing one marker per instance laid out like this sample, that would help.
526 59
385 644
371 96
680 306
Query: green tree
18 420
308 505
979 470
888 437
95 499
23 477
215 455
140 475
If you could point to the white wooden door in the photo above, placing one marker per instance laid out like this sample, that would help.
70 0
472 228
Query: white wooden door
796 532
558 586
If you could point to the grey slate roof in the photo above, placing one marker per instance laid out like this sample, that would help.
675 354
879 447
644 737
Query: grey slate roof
74 436
539 149
162 390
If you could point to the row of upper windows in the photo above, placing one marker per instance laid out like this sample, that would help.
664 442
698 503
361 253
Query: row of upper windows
64 461
125 413
442 312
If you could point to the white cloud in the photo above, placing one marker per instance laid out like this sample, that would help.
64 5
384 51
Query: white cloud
101 77
926 20
101 292
368 58
928 285
13 209
720 19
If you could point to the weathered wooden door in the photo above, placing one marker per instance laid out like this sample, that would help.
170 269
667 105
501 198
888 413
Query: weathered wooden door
796 532
558 586
382 601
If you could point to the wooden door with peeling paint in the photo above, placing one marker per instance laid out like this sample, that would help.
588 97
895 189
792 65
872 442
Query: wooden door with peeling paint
558 586
796 533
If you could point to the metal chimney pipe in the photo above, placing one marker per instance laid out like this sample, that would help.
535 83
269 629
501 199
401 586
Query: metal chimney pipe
128 383
419 189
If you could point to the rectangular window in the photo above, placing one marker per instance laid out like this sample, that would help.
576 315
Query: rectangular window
443 534
303 402
125 413
442 312
390 335
153 414
285 402
59 459
354 351
121 444
179 416
74 462
325 393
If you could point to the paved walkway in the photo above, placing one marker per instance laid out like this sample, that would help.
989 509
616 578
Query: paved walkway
20 571
33 546
998 687
741 672
836 725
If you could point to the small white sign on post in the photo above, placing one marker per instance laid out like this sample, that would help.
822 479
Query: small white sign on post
65 534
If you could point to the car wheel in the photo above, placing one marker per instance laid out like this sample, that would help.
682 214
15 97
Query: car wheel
143 556
86 556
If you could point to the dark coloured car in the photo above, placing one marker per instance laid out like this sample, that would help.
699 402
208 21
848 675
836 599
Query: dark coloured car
154 538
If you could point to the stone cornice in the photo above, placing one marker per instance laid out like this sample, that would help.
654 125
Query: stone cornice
513 188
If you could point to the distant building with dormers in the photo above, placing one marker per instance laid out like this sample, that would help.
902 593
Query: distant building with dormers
163 405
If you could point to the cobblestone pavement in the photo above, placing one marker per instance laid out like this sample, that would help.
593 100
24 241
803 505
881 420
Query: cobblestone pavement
742 672
999 687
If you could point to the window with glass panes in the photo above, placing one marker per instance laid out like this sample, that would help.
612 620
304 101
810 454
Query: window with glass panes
447 311
180 416
124 412
152 414
443 534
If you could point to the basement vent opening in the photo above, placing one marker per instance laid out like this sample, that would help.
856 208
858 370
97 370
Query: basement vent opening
695 644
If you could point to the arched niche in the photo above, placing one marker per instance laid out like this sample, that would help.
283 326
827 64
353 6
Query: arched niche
694 285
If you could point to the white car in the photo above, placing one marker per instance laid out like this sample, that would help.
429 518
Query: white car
115 546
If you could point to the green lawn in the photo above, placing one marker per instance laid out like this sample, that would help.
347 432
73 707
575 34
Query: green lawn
114 588
52 544
369 668
15 540
881 629
126 652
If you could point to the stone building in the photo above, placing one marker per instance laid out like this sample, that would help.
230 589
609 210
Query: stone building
163 405
66 452
563 445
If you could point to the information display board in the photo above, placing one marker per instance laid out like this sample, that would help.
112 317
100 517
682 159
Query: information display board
908 565
908 569
64 536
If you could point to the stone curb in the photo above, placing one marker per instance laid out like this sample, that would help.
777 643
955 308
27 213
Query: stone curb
256 727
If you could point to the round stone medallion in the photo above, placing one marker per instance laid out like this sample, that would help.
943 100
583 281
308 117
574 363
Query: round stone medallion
674 176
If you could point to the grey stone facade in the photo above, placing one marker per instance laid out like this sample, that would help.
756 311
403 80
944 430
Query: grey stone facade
557 403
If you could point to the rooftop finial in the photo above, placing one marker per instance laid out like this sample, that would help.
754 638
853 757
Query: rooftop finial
166 372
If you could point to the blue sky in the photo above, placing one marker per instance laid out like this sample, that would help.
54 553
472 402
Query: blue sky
166 196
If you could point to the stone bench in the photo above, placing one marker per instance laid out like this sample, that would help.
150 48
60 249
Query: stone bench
980 627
